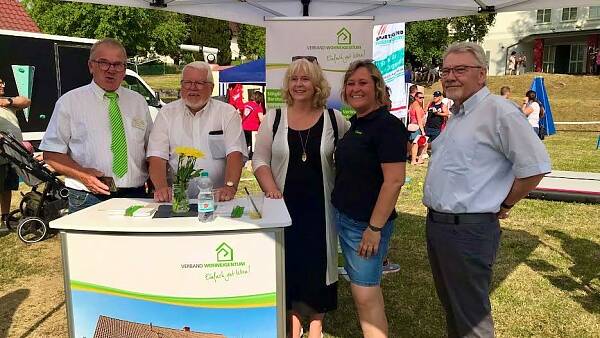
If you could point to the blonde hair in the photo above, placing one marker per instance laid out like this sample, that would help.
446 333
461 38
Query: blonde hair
318 80
380 91
114 43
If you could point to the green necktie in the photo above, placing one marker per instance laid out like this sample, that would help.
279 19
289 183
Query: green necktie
118 145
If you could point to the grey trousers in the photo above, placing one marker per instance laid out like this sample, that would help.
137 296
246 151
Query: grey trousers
461 258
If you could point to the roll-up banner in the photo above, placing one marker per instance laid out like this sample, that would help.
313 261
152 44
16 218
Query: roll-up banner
333 42
388 55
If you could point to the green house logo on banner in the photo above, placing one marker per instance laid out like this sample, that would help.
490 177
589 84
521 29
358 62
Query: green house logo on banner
344 37
224 253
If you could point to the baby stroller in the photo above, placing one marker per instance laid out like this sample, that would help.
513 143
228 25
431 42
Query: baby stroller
47 199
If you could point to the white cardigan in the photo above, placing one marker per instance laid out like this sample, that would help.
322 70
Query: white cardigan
266 147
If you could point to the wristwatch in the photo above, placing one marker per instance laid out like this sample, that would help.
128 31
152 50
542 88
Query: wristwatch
506 206
10 101
230 184
374 228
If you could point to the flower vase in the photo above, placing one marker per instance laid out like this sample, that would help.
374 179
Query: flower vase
181 203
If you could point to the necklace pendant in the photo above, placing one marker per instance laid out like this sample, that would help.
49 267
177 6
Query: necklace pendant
304 156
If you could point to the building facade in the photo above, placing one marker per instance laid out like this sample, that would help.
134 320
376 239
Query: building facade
553 40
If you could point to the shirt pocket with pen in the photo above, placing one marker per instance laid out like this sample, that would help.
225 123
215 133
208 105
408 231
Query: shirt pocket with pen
216 144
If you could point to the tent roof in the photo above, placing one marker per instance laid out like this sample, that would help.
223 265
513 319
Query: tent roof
255 11
251 72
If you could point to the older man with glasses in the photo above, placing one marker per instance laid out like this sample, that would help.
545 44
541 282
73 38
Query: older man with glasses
488 160
196 120
98 133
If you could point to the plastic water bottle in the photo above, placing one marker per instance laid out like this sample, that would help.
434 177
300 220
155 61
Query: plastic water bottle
206 199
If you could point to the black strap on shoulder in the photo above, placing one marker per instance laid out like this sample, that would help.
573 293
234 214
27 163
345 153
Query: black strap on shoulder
276 121
331 118
334 126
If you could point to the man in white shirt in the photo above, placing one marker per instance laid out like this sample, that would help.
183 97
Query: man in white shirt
486 160
98 133
196 120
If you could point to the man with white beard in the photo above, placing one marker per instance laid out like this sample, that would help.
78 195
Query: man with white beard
196 120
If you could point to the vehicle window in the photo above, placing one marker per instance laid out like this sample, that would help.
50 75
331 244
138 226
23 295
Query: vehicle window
135 85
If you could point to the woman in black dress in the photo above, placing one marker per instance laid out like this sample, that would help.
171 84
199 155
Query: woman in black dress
293 159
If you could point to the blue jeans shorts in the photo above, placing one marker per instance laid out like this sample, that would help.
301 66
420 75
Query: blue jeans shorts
361 271
413 135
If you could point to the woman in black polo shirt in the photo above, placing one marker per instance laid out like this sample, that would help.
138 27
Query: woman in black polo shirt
370 167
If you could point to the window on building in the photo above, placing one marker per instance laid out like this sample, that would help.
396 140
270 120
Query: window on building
548 63
595 12
569 13
543 15
576 59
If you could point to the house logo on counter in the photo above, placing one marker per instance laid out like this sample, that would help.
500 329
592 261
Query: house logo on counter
224 253
224 269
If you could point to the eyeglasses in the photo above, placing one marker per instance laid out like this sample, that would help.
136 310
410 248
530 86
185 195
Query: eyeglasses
420 97
458 70
105 65
191 84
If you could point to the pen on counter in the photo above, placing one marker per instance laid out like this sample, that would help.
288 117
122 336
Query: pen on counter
252 201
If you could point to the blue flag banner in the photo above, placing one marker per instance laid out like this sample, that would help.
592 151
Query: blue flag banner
547 121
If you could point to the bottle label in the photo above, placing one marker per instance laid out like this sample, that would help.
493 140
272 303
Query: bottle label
206 206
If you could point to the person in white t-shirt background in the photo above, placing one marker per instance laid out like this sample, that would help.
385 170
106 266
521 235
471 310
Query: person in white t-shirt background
531 109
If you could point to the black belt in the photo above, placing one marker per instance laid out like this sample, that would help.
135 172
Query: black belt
442 217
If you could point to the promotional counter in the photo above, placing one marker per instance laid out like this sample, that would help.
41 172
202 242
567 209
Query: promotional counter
142 276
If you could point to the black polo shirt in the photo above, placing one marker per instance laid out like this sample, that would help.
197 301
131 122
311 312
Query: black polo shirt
376 138
434 121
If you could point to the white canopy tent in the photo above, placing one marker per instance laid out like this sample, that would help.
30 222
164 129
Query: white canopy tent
255 11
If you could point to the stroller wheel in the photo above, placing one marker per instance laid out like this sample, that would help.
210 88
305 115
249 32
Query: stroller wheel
32 229
12 221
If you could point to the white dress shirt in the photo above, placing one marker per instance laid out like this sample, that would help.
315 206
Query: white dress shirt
275 154
80 128
486 145
216 130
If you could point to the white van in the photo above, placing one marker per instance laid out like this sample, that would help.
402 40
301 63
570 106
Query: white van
43 67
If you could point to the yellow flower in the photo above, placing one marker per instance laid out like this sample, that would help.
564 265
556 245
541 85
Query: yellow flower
189 151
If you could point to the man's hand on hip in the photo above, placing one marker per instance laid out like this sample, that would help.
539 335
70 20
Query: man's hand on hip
503 213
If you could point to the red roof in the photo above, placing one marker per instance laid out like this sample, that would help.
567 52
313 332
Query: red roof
14 17
108 327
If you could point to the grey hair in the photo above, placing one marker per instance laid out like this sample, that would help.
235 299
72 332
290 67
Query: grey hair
200 65
468 47
107 42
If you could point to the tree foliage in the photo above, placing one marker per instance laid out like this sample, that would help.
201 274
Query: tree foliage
426 40
251 40
140 30
211 33
471 28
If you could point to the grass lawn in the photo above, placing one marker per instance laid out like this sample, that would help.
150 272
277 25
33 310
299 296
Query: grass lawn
546 281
